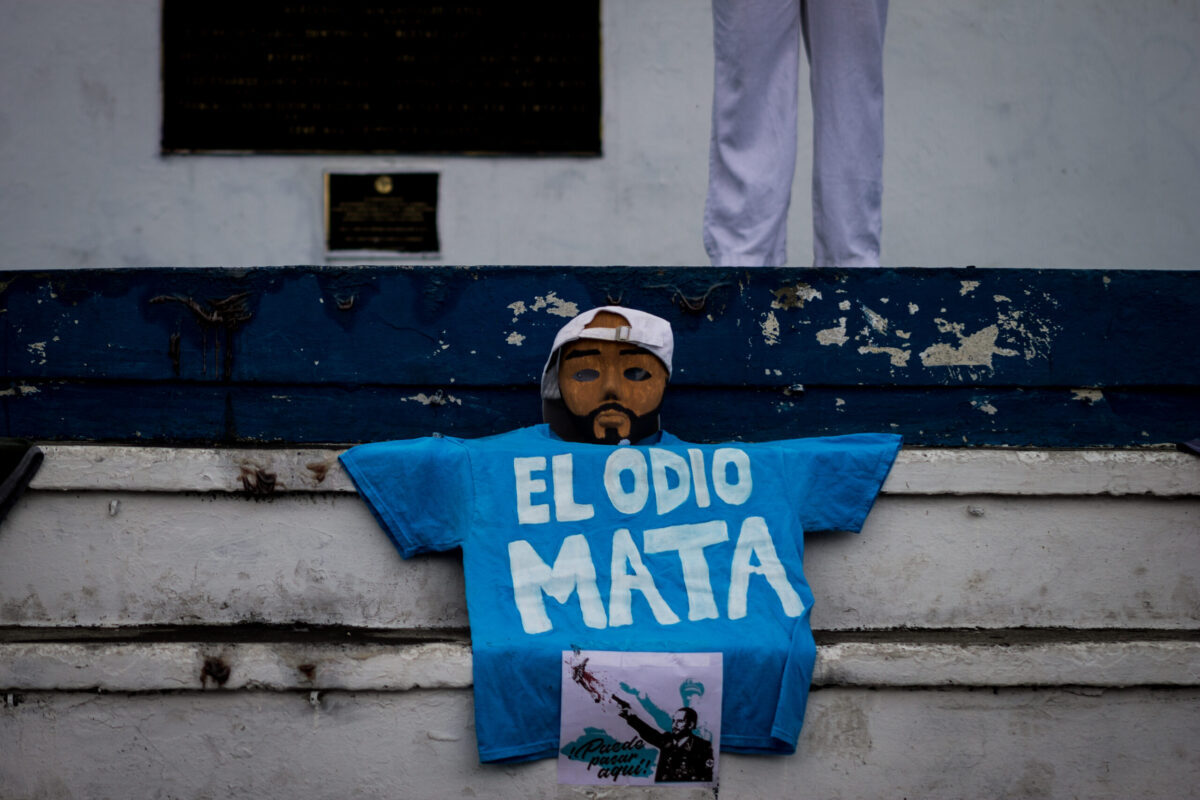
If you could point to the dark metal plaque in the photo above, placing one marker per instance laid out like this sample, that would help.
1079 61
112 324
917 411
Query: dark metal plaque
389 76
391 212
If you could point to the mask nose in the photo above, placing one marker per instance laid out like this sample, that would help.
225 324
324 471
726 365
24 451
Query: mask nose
611 383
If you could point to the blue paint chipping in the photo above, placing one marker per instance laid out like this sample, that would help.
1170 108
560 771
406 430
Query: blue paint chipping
316 355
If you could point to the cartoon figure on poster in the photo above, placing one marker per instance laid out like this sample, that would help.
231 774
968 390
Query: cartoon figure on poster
605 740
599 531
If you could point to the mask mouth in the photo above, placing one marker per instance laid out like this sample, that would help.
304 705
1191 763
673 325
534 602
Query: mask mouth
581 428
611 418
617 407
640 426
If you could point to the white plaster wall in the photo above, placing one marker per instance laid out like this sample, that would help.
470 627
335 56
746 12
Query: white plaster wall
1090 548
1038 133
856 743
130 558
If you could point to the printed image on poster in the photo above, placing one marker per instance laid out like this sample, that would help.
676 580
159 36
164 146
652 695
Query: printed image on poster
640 719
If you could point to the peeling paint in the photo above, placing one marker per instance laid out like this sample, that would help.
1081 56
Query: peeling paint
876 321
555 305
23 389
899 356
975 350
38 351
438 398
836 335
844 305
1035 335
1089 396
984 406
794 296
770 329
968 287
1048 344
551 303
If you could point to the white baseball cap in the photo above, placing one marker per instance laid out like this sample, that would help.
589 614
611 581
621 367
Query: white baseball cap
645 330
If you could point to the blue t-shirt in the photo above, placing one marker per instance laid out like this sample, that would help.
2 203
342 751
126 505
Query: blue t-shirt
671 547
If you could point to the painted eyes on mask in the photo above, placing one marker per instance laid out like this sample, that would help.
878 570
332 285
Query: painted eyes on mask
631 374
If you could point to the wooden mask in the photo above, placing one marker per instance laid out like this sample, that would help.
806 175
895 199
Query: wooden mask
612 390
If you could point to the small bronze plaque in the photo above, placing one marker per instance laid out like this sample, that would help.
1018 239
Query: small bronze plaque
389 212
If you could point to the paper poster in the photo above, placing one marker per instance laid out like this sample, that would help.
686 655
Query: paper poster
639 719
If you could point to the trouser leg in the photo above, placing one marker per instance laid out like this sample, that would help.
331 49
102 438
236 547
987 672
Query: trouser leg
752 154
844 41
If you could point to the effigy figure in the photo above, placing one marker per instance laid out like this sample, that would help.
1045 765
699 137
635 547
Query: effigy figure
600 530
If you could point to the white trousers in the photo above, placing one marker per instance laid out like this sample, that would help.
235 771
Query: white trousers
752 155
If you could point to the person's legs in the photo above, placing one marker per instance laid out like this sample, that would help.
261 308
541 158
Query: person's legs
844 40
752 155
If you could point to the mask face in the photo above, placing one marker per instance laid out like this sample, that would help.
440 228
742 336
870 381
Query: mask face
612 390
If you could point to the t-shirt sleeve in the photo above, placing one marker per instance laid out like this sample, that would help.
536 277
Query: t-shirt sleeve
420 490
832 482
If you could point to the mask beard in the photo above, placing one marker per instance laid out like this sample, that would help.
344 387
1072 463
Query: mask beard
584 427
